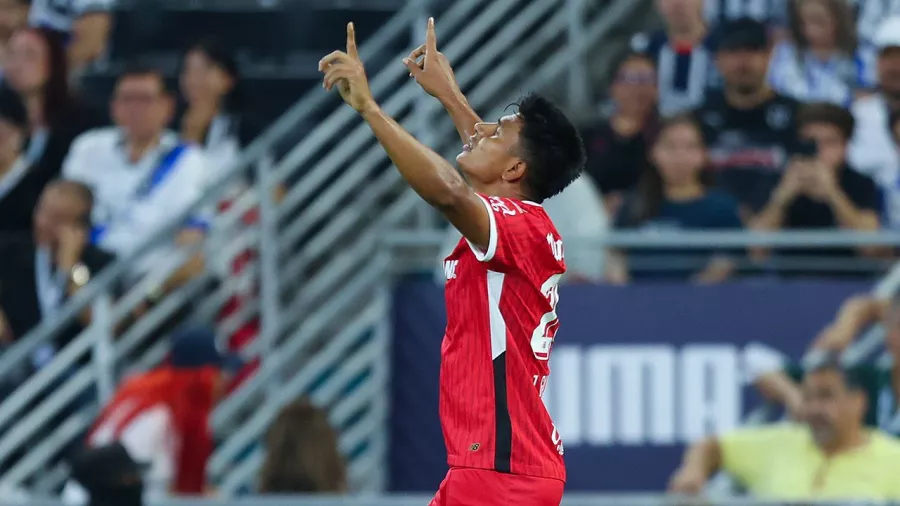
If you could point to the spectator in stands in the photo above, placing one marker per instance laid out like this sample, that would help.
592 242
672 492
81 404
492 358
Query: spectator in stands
873 151
54 264
143 177
161 417
748 126
856 315
36 69
818 189
822 60
13 16
682 53
86 24
214 116
20 184
302 454
109 476
822 460
675 195
617 145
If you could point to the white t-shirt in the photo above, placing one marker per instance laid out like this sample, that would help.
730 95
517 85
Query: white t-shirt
61 14
127 215
149 440
808 79
874 153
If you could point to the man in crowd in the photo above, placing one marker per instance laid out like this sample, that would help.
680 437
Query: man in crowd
143 177
855 316
683 55
818 189
873 150
109 476
830 456
37 275
748 126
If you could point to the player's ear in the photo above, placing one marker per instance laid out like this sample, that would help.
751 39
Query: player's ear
515 170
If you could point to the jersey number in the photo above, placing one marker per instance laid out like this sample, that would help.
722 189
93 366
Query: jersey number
542 337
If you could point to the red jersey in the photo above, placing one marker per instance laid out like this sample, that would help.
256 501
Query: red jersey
501 320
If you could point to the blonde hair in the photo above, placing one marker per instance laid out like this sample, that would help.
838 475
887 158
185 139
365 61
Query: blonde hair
302 453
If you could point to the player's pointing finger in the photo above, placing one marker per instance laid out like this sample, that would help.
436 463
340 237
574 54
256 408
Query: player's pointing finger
430 37
351 41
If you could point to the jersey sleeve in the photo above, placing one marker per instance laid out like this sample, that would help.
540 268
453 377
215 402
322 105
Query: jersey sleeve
513 230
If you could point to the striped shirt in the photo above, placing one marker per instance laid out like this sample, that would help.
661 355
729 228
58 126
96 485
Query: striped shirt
61 14
684 72
809 79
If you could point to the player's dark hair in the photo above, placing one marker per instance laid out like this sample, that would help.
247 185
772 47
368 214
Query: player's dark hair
551 147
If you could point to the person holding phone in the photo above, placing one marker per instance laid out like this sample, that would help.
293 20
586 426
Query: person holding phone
818 189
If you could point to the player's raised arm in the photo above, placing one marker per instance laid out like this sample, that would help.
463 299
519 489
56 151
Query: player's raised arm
432 177
431 69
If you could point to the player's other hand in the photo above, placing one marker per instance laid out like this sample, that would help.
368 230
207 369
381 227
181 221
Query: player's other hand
430 68
687 481
345 71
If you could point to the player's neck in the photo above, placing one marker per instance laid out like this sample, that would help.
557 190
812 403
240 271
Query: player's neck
851 440
503 191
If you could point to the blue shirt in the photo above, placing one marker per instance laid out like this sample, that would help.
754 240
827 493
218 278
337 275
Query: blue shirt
714 210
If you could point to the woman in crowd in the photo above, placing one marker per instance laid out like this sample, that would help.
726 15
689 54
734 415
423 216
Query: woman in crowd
36 69
674 194
617 145
214 115
302 453
822 60
162 417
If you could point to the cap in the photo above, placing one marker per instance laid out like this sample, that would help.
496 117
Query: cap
888 34
743 33
195 346
12 109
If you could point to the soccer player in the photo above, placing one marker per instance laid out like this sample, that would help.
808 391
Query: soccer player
502 277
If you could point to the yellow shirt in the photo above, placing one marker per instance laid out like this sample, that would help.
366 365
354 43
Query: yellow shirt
782 462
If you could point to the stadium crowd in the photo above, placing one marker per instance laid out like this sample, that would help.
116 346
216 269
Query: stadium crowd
729 117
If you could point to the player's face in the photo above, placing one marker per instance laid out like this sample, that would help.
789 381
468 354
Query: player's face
491 154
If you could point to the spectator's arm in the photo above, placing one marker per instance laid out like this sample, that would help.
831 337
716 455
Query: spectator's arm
194 266
778 387
855 315
700 461
849 216
90 33
616 268
719 269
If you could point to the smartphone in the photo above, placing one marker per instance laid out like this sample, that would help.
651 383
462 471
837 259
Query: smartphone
805 148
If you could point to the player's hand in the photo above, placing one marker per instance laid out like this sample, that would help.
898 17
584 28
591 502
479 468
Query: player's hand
687 481
431 69
345 70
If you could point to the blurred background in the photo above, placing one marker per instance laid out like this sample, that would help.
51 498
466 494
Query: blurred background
214 288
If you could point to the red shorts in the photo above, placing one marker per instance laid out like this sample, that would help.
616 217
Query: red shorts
482 487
